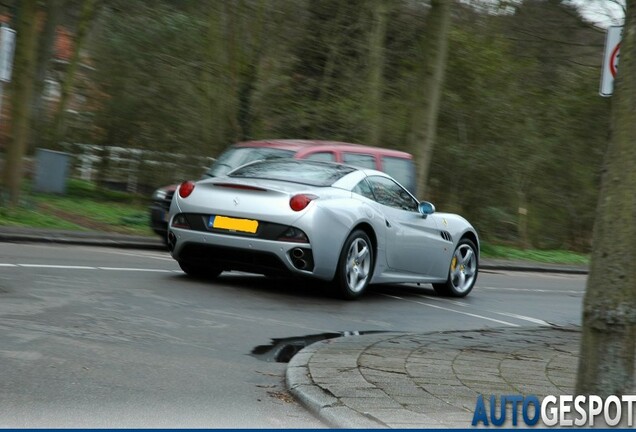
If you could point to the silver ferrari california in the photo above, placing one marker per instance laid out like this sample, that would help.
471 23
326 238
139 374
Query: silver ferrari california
352 227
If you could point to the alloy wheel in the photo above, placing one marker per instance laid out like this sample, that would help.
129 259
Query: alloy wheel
358 265
463 268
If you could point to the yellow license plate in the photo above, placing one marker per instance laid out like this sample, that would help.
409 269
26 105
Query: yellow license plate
232 224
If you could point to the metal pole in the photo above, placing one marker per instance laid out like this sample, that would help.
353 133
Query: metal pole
7 47
2 54
1 98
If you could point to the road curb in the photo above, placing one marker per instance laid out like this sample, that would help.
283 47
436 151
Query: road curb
322 404
537 268
415 379
101 242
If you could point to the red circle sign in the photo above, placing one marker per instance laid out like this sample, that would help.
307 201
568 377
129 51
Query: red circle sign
613 61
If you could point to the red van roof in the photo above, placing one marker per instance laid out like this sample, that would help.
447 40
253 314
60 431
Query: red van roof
297 144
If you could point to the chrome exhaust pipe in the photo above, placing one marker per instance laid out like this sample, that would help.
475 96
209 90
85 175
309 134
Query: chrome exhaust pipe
301 264
298 253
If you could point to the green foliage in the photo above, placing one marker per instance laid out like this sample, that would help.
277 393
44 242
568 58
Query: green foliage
84 207
321 96
27 217
544 256
148 68
521 128
81 189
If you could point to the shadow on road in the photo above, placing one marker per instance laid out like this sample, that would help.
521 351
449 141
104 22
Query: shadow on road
299 287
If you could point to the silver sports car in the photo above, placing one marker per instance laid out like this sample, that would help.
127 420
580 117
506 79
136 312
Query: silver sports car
332 222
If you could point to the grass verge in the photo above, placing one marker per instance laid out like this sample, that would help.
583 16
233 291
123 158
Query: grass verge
543 256
84 207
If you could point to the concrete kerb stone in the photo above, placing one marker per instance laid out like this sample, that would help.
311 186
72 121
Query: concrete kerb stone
494 264
322 404
82 239
344 417
392 401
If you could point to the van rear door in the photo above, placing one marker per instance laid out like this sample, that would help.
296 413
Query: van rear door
402 170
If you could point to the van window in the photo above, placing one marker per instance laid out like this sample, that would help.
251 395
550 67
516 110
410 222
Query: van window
321 157
359 160
400 169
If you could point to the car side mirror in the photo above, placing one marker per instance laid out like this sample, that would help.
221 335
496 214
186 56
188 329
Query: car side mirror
426 208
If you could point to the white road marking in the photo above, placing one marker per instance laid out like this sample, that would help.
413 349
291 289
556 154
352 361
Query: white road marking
74 267
154 255
534 290
137 269
57 266
453 310
507 314
525 318
158 255
241 274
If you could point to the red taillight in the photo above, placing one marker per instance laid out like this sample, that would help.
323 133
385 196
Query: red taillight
186 188
300 201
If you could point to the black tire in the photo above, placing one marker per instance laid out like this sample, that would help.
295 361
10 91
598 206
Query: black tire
460 280
199 271
348 271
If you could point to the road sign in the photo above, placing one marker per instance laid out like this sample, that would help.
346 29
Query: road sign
7 47
610 59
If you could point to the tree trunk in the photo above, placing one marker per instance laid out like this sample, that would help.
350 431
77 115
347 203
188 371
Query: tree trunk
522 220
376 70
334 40
434 49
211 126
231 57
46 47
88 8
608 344
23 78
250 64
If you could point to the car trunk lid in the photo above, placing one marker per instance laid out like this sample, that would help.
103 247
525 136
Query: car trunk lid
266 200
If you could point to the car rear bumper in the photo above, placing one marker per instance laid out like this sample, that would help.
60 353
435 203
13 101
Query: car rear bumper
250 254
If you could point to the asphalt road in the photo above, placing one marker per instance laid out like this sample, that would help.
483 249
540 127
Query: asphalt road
99 337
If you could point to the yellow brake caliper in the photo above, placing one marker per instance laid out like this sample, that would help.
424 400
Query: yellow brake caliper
454 263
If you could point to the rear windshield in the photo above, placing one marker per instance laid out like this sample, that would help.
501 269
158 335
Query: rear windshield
294 171
237 156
